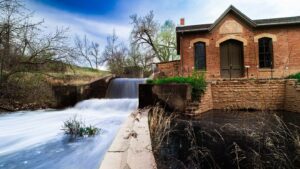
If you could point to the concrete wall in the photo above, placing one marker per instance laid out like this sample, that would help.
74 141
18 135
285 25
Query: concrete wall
174 96
69 95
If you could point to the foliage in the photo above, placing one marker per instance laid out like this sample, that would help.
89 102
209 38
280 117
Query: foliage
295 76
197 81
27 91
166 41
76 128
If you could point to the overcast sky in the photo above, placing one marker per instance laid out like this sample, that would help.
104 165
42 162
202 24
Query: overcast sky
98 18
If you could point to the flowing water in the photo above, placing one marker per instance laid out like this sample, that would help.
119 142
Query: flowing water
124 87
34 139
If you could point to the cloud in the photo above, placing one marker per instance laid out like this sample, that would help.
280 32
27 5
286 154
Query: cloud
96 28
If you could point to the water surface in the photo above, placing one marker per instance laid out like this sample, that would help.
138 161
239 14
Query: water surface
34 140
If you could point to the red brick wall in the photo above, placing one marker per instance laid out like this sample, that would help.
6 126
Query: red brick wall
286 50
169 68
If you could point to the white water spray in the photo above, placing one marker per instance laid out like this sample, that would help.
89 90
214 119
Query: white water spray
34 140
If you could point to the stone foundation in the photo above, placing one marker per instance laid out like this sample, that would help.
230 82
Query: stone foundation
251 94
292 96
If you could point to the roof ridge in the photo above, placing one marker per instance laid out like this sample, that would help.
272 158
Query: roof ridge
277 18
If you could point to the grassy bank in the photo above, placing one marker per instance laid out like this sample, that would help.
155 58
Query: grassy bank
75 75
29 91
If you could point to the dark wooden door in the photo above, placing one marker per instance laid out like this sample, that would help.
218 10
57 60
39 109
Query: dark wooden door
232 63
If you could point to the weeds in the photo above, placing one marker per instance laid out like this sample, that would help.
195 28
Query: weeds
264 141
77 128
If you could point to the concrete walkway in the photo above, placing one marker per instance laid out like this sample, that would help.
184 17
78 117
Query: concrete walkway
131 148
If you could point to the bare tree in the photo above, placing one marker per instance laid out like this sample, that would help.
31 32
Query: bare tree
114 55
144 31
24 44
139 58
95 54
88 51
161 40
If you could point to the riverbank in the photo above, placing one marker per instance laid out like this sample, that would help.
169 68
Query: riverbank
33 91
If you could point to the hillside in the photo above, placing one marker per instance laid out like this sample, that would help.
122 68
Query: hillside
33 90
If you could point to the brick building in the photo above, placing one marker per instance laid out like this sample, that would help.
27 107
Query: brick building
235 46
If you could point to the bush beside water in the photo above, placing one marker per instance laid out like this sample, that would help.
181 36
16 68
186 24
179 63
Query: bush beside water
197 81
295 76
77 128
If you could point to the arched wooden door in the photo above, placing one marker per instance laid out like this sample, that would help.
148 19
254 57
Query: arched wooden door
232 59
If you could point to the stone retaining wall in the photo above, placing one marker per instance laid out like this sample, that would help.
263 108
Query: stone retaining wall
252 94
69 95
292 96
249 94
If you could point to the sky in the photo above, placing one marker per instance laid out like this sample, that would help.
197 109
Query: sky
98 18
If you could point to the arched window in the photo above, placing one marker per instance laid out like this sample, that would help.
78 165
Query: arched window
200 56
265 52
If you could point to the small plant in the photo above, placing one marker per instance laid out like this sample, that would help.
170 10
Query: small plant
295 76
77 128
197 81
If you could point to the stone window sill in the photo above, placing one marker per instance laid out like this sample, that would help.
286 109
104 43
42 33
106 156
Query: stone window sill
266 70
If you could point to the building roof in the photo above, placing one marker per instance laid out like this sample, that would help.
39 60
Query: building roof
259 23
253 23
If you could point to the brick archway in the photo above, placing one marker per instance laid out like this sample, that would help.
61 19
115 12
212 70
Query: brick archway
192 42
231 37
267 35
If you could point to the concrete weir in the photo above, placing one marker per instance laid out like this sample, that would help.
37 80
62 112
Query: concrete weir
132 147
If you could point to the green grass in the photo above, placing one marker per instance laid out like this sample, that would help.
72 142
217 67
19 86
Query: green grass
197 81
77 75
295 76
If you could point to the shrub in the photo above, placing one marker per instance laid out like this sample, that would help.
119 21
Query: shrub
295 76
197 81
76 128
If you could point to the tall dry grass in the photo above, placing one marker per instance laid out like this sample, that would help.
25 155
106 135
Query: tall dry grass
267 143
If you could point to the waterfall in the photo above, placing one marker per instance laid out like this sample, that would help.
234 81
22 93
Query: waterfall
124 88
34 139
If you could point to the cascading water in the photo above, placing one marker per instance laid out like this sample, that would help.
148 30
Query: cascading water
34 140
124 88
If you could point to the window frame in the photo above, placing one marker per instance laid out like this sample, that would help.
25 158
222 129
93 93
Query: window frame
265 43
205 57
